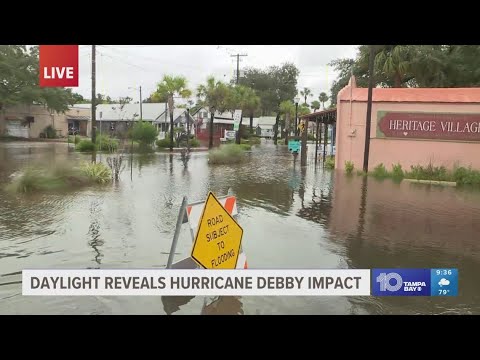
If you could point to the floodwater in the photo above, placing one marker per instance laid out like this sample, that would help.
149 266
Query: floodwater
292 217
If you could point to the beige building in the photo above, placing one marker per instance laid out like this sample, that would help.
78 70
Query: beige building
30 121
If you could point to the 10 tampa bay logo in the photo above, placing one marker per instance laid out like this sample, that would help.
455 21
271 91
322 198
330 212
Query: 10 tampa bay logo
401 282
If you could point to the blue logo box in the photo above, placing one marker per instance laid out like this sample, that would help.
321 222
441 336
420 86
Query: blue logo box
444 282
401 282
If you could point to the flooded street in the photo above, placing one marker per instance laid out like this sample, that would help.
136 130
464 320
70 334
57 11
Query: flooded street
292 217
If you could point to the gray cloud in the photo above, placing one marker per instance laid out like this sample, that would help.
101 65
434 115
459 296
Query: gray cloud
121 67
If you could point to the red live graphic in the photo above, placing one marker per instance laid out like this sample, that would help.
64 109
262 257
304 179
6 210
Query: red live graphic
58 65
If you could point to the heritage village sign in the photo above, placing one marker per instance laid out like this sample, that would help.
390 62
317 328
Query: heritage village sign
428 125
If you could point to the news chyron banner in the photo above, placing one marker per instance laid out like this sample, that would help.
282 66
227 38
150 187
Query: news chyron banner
240 282
58 65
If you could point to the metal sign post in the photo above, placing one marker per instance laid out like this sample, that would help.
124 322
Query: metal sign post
189 213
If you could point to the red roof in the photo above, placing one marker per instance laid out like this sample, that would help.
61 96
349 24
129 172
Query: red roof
428 95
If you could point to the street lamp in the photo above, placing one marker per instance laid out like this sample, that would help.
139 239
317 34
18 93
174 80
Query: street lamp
297 100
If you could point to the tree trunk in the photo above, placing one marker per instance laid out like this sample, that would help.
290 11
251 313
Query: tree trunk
287 127
275 131
210 142
251 123
238 138
397 80
170 105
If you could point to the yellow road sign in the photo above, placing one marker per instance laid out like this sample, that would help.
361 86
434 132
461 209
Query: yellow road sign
219 237
301 126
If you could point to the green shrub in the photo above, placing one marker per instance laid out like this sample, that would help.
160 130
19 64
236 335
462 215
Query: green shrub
194 143
310 137
85 146
144 132
361 173
380 172
397 172
106 143
349 167
430 172
97 172
464 176
330 162
50 132
227 154
164 143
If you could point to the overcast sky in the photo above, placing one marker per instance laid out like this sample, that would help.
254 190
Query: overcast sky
122 66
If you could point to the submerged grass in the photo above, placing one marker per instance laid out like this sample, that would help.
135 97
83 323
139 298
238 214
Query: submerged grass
227 154
59 177
459 174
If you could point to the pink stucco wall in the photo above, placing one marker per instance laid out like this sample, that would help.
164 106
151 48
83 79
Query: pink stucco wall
350 136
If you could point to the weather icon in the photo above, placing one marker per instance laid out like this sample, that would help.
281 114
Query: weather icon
444 282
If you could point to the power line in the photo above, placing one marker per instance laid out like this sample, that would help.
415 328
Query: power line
157 61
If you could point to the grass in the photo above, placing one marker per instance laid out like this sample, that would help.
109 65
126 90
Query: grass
106 143
165 143
59 177
227 154
380 172
96 172
246 147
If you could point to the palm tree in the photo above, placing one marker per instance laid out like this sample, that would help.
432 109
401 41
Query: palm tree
393 64
306 92
287 108
168 88
323 99
216 96
315 105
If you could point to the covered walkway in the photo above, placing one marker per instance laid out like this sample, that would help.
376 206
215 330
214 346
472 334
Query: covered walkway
328 118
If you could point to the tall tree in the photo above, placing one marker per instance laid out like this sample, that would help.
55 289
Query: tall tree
306 92
19 80
244 98
323 99
315 105
216 95
168 88
287 109
267 86
411 66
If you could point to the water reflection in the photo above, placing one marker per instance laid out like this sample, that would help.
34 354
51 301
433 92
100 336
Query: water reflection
223 305
293 217
220 305
95 242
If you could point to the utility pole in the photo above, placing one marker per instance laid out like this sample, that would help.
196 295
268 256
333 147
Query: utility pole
366 153
238 65
94 102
